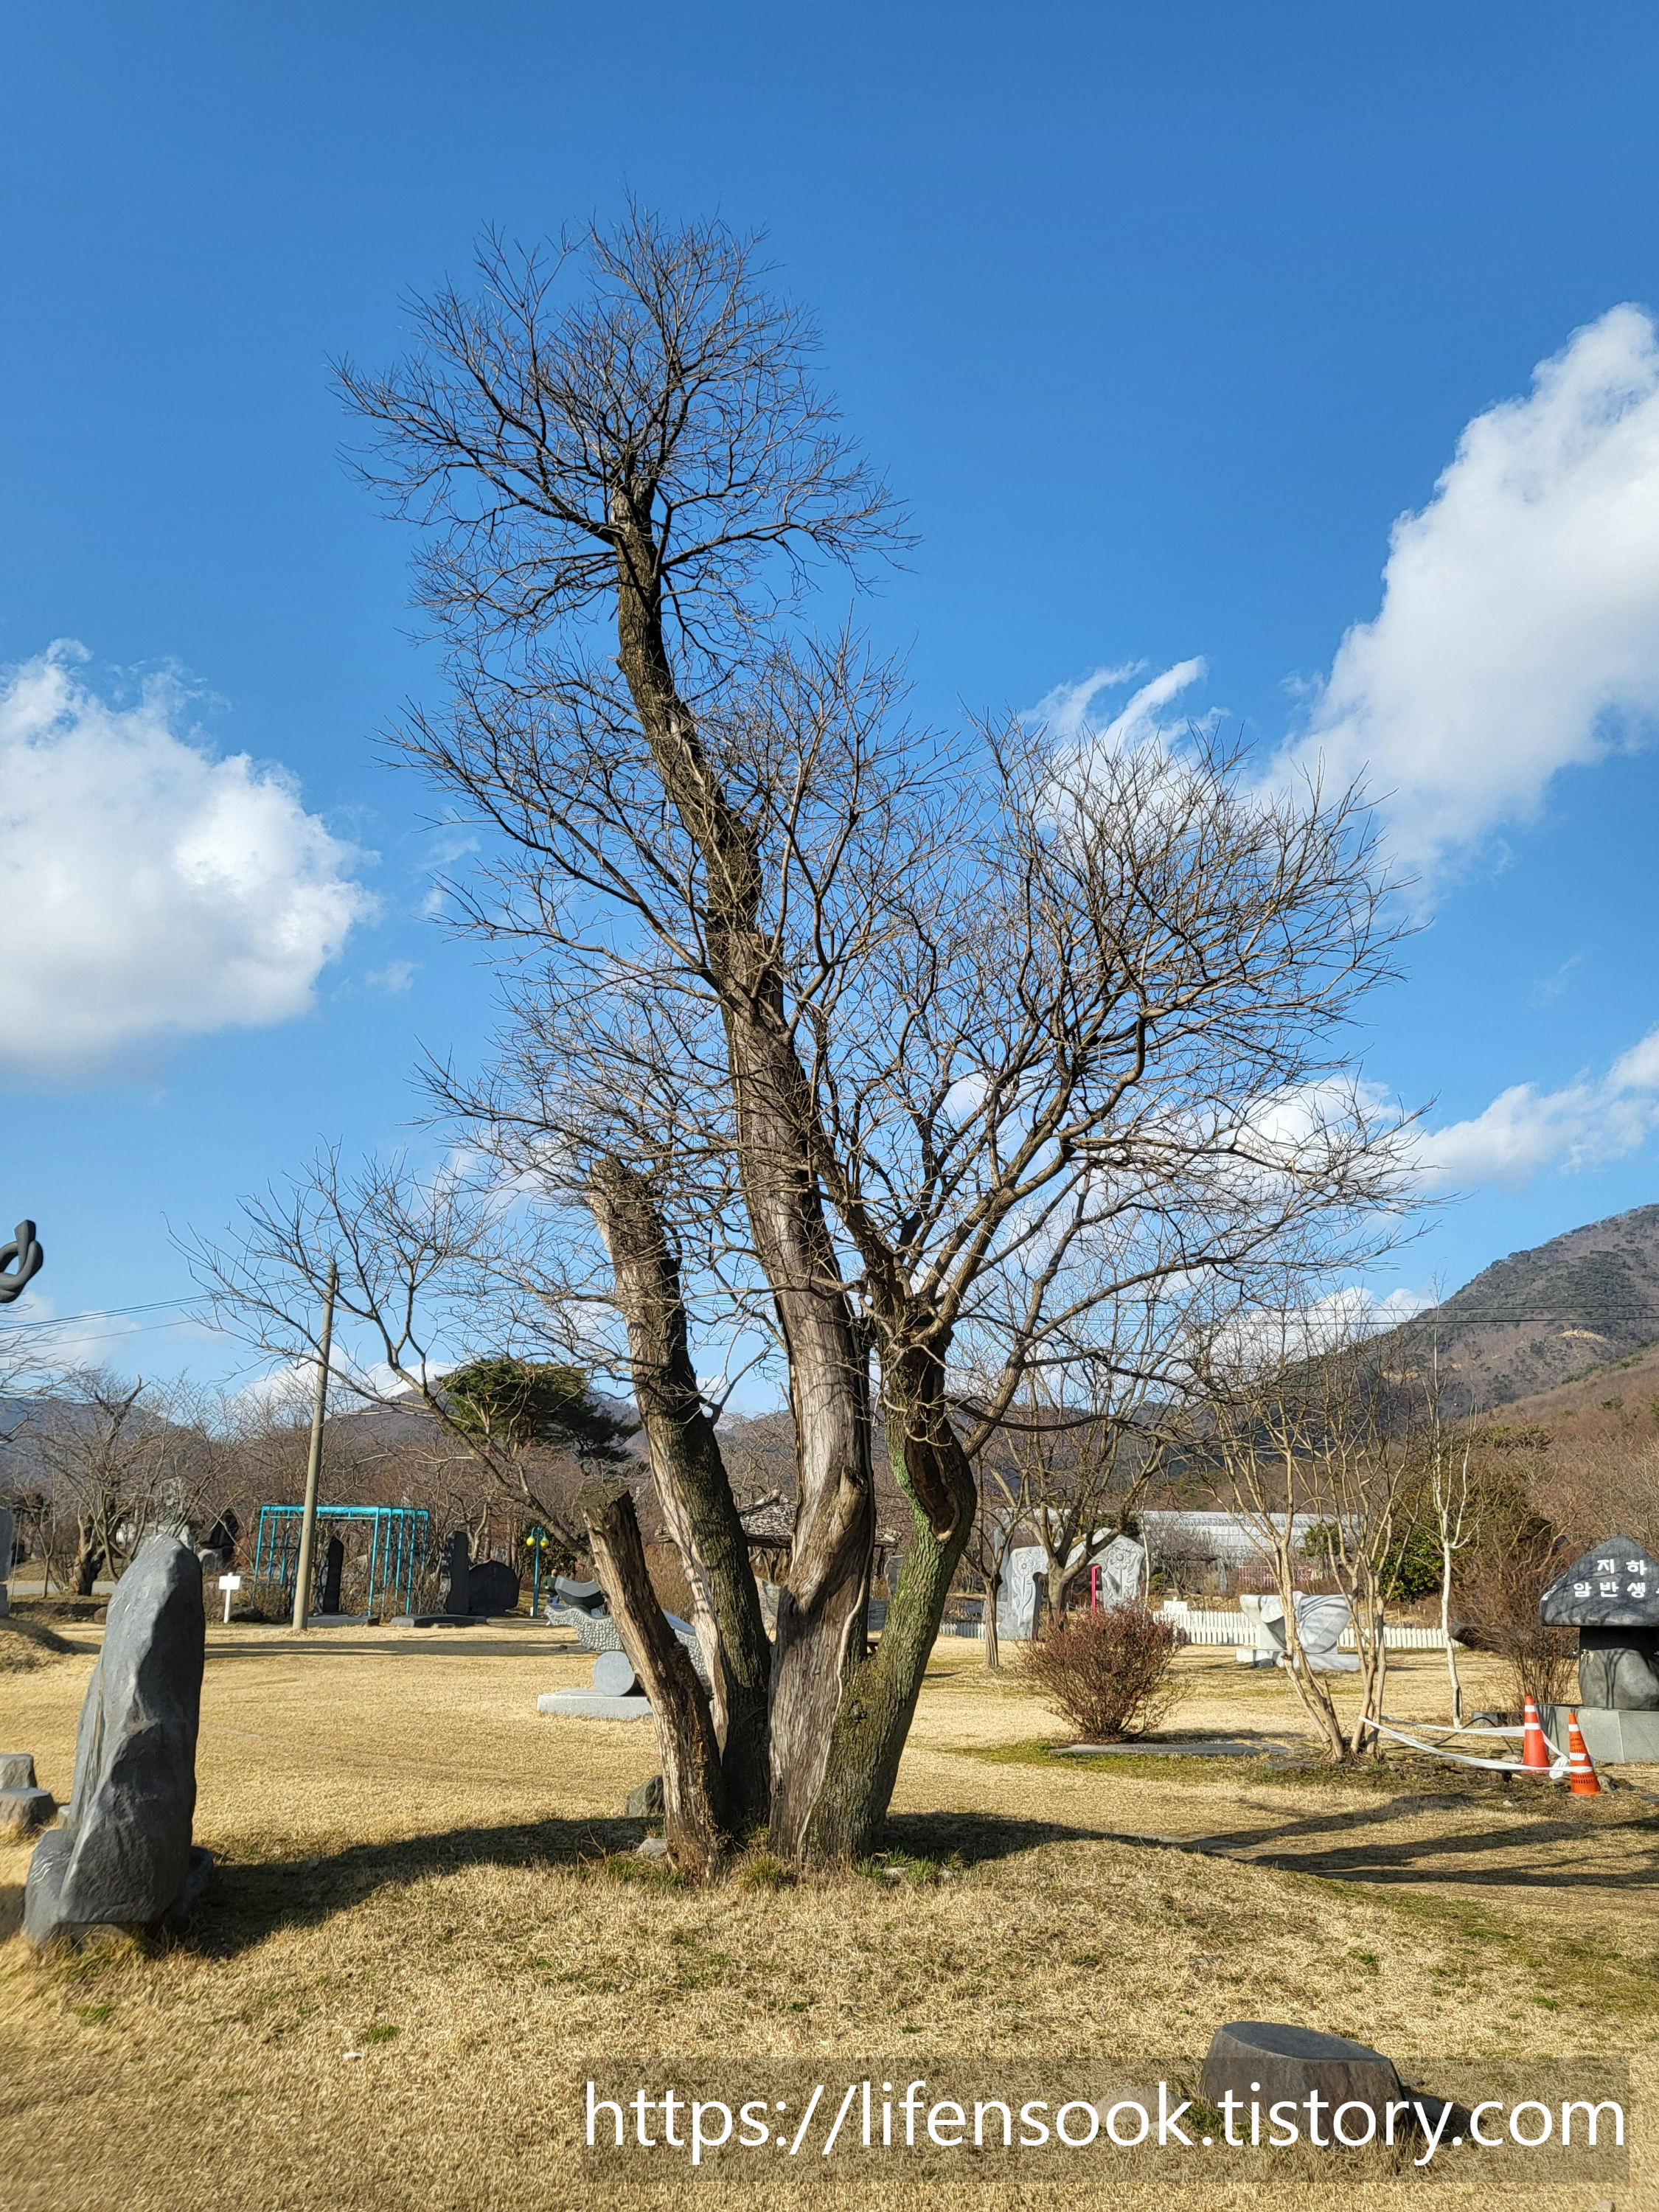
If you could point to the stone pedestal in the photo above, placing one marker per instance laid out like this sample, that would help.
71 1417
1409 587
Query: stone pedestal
593 1705
1612 1738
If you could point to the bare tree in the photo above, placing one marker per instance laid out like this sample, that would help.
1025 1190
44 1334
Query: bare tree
438 1300
1309 1432
833 1029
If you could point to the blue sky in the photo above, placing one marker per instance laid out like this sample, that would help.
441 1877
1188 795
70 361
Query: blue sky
1159 318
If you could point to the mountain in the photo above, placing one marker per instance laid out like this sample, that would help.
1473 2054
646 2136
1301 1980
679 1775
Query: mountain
1542 1318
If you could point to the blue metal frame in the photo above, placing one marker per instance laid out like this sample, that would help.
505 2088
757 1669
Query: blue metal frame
400 1542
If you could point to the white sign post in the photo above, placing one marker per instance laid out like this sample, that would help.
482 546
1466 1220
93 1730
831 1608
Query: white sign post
229 1584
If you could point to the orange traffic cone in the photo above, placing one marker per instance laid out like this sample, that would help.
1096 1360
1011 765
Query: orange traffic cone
1535 1752
1581 1775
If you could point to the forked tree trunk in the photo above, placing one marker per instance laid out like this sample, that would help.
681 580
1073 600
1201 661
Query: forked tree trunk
694 1812
879 1701
695 1495
821 1616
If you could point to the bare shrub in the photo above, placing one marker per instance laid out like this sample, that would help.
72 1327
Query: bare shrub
1108 1673
1498 1588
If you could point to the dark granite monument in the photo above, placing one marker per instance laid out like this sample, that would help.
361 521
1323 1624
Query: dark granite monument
333 1568
1611 1596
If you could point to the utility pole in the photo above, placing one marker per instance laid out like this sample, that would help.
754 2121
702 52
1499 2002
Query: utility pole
314 1459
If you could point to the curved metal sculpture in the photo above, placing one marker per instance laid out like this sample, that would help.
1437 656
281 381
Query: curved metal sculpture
25 1249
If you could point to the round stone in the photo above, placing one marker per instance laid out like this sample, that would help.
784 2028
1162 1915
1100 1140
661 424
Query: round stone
614 1675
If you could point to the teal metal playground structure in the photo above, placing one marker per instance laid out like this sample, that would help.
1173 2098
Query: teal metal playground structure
400 1542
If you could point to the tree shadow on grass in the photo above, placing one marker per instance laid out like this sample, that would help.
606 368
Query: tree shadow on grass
249 1901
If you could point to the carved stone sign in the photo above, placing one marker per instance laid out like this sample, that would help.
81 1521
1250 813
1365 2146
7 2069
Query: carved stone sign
1616 1585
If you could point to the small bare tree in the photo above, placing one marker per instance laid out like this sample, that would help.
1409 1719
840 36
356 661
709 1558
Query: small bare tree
1308 1433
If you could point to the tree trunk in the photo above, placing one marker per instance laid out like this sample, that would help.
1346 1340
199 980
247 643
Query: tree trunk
694 1791
992 1594
89 1563
879 1701
1445 1630
691 1481
821 1616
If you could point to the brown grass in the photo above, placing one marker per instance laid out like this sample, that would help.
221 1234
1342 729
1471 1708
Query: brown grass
25 1645
416 1866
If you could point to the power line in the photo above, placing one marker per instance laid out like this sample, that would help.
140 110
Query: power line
100 1313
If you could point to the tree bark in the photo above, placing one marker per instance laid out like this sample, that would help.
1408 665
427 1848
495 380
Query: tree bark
694 1791
992 1646
879 1701
691 1481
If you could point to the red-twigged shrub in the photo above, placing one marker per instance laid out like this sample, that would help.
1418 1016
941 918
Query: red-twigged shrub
1108 1673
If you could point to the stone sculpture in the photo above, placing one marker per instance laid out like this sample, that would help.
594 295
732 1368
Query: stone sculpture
23 1804
124 1856
616 1694
1321 1625
1611 1596
1121 1566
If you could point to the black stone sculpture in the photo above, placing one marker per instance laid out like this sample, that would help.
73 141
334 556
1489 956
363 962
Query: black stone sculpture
1611 1596
124 1858
458 1597
333 1568
491 1587
20 1261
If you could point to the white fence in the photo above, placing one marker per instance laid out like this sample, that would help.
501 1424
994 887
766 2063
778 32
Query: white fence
1238 1628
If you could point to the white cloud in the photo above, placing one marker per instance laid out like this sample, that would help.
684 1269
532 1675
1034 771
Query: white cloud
152 888
1519 629
1525 1130
1139 720
1064 712
395 977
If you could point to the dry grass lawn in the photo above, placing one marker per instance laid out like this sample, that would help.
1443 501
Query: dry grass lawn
417 1870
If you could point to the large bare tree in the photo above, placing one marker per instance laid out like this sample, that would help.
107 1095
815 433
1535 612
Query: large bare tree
915 1054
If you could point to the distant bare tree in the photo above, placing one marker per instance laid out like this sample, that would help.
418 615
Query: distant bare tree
439 1306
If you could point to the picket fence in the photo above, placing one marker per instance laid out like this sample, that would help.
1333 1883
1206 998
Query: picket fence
1232 1628
1229 1628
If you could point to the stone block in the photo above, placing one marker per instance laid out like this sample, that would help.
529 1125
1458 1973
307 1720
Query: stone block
1269 2062
22 1811
17 1770
1611 1737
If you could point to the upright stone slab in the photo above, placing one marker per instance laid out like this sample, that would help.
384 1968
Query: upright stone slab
459 1598
8 1539
124 1858
333 1568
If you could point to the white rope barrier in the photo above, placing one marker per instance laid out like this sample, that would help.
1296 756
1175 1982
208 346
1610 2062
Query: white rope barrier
1558 1765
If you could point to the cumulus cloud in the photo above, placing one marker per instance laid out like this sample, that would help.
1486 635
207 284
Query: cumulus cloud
1519 629
153 887
1585 1124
